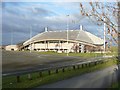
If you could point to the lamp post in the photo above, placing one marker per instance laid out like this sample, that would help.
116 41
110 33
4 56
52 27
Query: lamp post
104 36
67 31
31 32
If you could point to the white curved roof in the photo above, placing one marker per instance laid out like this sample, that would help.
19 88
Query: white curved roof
75 35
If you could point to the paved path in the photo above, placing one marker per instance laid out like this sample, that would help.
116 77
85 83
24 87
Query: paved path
98 79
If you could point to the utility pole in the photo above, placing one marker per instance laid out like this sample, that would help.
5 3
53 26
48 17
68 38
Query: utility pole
104 36
67 31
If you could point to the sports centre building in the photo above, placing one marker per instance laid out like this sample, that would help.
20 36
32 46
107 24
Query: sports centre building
64 41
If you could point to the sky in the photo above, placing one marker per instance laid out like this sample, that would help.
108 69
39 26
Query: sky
19 17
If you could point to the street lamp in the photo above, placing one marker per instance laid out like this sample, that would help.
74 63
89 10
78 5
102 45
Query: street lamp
67 31
104 35
31 36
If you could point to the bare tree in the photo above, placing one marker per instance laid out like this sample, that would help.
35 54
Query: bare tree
111 12
97 11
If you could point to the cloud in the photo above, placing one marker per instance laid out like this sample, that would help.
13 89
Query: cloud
42 12
21 16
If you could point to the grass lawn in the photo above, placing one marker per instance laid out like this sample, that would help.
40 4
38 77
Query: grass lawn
87 55
115 86
10 81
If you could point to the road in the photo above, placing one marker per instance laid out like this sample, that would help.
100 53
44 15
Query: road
13 61
98 79
18 62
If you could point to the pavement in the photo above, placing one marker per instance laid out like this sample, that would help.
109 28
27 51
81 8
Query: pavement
97 79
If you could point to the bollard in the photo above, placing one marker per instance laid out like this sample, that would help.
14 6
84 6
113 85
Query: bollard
95 63
78 66
63 70
49 72
85 65
29 77
102 62
40 73
89 64
18 79
98 62
82 65
74 67
56 71
69 69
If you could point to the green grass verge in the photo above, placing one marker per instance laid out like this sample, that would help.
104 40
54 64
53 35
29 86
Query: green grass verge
86 55
116 85
10 82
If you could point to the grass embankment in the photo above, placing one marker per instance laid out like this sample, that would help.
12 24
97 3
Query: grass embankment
10 82
86 55
116 85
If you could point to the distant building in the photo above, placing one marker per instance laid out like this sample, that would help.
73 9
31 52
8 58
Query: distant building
64 41
11 47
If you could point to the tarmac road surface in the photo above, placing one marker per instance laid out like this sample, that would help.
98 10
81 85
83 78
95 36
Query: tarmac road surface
13 61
